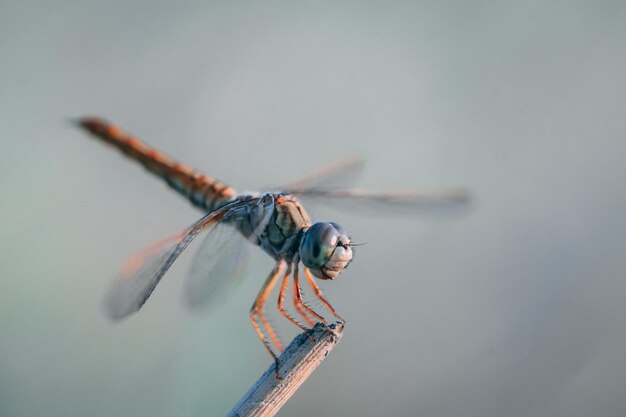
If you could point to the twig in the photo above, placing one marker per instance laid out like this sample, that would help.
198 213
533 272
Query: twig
297 362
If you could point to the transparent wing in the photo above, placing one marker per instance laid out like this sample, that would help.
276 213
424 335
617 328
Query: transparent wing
341 173
143 271
392 201
218 265
220 261
327 185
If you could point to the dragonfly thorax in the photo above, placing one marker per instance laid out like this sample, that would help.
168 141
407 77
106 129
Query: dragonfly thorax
285 228
325 249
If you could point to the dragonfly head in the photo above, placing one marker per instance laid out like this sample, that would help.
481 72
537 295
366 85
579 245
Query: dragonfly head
325 249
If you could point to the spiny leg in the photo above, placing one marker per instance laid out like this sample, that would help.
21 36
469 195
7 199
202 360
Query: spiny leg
318 293
281 300
257 311
297 302
298 290
261 306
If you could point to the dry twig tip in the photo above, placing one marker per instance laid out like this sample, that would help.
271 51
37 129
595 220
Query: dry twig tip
307 350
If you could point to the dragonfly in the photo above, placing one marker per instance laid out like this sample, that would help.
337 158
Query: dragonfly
275 221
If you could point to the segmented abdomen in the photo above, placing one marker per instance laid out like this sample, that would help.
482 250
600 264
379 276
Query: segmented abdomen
203 191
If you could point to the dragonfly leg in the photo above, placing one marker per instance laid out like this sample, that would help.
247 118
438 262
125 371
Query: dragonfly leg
281 301
300 303
256 312
318 293
297 301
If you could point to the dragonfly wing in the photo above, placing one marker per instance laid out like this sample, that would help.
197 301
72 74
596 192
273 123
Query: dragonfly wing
217 266
340 173
393 202
326 185
143 271
221 257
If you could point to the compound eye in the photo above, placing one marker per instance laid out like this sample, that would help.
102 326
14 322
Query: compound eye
318 244
340 229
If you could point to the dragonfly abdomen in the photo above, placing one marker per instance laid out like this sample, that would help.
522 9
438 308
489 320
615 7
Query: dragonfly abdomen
202 190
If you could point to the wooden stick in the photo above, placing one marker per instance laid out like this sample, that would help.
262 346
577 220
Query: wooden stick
297 362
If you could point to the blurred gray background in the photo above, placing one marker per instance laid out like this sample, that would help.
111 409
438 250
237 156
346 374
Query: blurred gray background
515 307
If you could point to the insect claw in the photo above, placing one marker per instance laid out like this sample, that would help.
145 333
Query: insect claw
310 334
276 368
328 326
